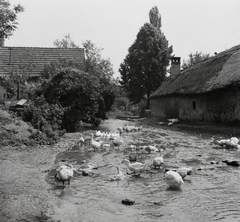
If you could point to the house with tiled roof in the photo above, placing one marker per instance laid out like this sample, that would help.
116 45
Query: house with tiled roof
31 60
208 91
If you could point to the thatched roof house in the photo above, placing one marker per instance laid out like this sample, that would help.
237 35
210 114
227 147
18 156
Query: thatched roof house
207 91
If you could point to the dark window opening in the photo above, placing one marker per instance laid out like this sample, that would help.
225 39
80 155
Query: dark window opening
194 105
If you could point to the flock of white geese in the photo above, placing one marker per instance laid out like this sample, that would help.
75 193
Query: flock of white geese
174 177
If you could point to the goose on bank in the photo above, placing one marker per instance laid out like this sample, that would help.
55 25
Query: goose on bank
158 160
184 171
173 179
136 167
118 176
96 145
81 140
64 173
152 148
117 141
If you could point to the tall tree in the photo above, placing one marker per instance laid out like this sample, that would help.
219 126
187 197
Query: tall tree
155 17
8 18
145 65
194 58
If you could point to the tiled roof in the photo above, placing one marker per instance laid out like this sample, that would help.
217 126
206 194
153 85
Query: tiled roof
216 72
31 60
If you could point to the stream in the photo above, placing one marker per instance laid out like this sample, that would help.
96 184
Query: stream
211 193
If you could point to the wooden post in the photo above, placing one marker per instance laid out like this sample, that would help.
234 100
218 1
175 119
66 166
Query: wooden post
18 90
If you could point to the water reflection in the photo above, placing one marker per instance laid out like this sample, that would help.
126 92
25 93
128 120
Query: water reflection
211 193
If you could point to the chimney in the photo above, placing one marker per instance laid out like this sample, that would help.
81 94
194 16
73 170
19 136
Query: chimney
175 66
1 41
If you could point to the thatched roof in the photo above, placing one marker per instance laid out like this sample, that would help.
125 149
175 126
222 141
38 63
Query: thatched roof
31 60
216 72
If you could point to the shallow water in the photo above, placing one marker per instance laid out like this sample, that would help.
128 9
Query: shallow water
211 193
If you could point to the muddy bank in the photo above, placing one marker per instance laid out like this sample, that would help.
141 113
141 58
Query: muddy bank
224 130
25 195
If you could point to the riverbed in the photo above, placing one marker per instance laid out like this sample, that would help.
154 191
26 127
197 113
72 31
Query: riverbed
211 193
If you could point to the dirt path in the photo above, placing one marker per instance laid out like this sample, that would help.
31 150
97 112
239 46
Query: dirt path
24 192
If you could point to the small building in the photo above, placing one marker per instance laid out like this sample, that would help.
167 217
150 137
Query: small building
18 105
208 91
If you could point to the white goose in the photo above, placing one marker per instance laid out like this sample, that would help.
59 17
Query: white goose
118 176
87 168
118 141
152 148
228 143
81 139
98 133
184 171
158 160
64 173
136 167
234 140
96 145
174 180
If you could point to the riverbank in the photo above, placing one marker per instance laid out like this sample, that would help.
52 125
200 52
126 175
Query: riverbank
224 130
24 192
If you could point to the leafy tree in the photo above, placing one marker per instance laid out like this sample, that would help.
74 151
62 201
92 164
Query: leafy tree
95 64
83 96
66 42
8 18
194 59
64 100
145 65
79 95
103 70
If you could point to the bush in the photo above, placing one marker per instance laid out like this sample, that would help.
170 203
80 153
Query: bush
44 117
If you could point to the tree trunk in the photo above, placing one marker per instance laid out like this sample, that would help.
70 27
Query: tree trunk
148 103
148 100
18 91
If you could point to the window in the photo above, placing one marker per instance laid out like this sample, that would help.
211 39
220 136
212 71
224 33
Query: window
194 105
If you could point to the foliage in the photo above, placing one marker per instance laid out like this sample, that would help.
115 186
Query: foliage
79 95
95 64
155 17
103 70
19 77
121 103
66 42
8 85
144 67
45 117
76 94
8 18
36 85
194 59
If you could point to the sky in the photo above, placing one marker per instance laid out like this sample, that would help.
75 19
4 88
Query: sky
205 26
